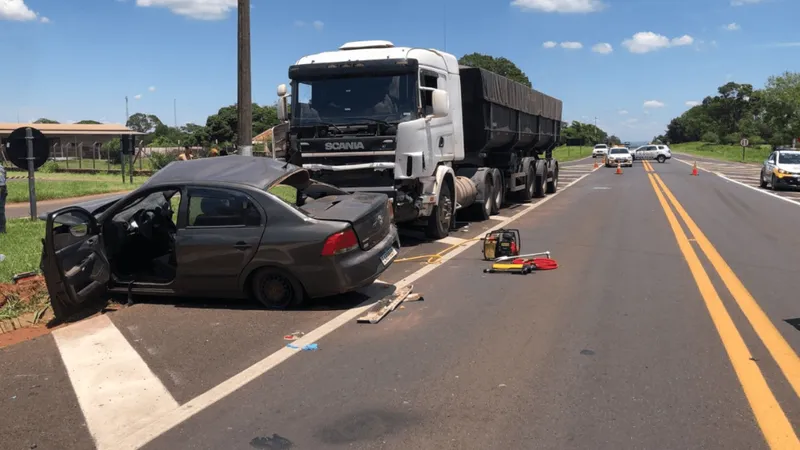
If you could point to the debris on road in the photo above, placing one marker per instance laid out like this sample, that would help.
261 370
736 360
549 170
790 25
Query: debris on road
293 336
305 348
385 305
415 297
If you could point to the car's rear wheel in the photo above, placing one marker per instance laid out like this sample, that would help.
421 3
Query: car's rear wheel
661 159
276 289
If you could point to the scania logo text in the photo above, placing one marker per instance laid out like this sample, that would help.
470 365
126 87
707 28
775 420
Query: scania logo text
344 146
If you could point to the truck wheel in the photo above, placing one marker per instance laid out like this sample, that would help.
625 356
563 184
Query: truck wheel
527 194
661 159
486 209
539 185
552 186
498 197
442 215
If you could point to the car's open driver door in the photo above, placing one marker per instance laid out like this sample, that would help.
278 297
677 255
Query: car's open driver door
73 261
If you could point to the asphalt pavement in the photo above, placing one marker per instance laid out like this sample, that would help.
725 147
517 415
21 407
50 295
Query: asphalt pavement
641 339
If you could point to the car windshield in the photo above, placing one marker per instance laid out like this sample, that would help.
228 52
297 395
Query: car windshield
352 100
789 158
600 146
616 151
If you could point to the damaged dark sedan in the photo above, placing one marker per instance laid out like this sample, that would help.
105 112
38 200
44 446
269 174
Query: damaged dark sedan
231 226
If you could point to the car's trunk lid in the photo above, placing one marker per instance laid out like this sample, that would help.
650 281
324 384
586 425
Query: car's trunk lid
367 213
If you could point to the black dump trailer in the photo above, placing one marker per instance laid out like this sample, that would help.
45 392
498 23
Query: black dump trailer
505 120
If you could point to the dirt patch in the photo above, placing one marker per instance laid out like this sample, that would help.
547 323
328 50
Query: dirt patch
26 290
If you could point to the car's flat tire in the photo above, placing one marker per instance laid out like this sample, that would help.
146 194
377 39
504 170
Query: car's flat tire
276 289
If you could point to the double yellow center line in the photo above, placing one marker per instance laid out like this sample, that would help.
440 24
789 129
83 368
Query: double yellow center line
771 418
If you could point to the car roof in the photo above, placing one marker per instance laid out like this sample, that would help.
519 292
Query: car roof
256 171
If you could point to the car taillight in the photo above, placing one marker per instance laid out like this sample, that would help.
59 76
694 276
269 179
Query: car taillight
391 209
340 243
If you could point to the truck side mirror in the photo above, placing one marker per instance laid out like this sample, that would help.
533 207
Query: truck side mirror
282 109
441 103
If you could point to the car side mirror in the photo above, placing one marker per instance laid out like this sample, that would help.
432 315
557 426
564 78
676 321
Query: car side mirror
79 230
441 103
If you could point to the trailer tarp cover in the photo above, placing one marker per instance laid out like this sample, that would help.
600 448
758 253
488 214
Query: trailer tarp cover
503 91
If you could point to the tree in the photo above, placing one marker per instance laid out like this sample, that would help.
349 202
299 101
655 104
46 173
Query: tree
500 66
143 123
613 140
221 127
88 122
44 121
589 133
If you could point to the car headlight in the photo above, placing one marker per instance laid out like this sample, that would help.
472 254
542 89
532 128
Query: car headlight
781 171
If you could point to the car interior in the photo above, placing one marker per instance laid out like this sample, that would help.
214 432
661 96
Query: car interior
140 239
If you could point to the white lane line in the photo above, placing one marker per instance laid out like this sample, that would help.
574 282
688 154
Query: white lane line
114 386
419 235
757 189
146 431
498 217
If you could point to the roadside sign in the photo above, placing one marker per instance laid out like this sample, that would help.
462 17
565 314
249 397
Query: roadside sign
744 142
17 148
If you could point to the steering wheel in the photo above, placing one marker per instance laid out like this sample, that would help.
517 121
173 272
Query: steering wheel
144 219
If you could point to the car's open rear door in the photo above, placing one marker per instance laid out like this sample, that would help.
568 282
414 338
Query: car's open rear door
73 261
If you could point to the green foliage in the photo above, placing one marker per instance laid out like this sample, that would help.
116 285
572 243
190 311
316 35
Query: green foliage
44 120
770 115
88 122
159 160
49 167
710 137
590 133
113 149
500 66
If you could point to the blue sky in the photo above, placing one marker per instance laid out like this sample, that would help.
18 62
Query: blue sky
78 59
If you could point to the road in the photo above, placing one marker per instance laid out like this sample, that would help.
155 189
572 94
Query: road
19 210
669 324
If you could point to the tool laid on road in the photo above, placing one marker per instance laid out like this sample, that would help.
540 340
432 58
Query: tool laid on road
523 264
501 243
694 169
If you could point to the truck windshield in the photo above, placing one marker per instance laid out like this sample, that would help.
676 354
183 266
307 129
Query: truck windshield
343 101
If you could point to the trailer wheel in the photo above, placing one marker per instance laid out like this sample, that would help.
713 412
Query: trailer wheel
527 194
442 215
552 186
539 185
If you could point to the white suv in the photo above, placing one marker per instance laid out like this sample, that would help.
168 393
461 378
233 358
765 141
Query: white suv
659 152
599 150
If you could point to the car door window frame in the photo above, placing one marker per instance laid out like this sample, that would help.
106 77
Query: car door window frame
187 225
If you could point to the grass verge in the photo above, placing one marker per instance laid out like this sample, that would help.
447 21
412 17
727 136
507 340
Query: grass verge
22 247
63 185
755 154
565 153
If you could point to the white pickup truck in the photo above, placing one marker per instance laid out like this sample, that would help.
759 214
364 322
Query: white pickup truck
659 152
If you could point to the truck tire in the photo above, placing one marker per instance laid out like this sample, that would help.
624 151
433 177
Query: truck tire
539 185
552 186
527 194
486 209
442 215
498 197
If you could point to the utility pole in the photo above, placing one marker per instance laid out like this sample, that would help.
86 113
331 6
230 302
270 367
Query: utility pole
175 111
126 111
244 103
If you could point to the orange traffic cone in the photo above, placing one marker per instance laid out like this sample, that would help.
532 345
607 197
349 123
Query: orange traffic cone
619 169
595 164
694 169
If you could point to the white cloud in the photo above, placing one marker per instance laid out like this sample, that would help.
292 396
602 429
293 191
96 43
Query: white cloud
195 9
647 41
683 40
733 26
572 45
318 25
784 44
653 104
16 10
745 2
693 103
151 89
44 20
603 48
137 97
549 44
623 112
560 6
299 23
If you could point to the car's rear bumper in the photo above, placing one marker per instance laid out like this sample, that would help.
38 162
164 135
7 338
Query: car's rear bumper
353 270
